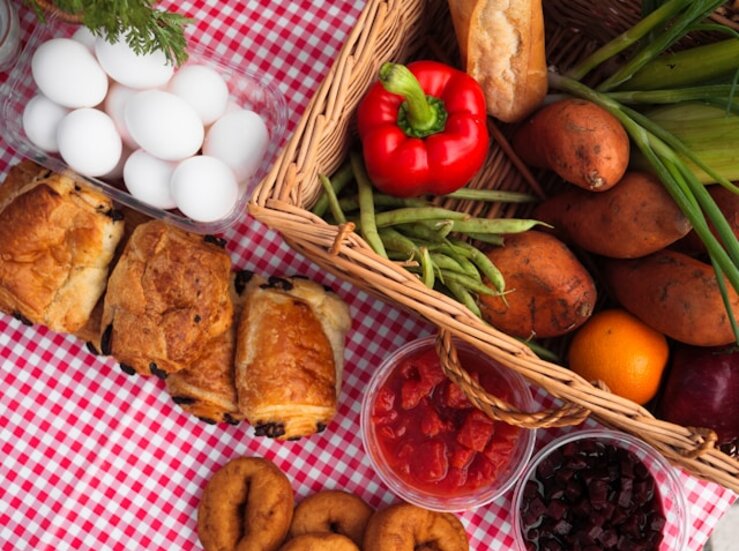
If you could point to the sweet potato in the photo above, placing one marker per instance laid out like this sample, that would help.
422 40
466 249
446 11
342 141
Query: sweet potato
728 204
675 294
633 219
549 292
578 140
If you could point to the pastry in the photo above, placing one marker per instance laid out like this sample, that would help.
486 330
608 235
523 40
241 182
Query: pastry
290 356
57 240
167 297
206 388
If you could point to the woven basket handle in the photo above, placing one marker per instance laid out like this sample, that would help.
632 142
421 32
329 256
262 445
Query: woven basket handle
50 8
495 408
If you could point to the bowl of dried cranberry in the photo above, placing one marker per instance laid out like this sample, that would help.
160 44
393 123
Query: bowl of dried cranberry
599 490
428 443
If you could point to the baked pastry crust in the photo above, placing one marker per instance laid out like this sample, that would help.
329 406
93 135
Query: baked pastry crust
167 297
290 356
207 388
57 240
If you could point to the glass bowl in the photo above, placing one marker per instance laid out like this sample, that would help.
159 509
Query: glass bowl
519 443
247 89
673 501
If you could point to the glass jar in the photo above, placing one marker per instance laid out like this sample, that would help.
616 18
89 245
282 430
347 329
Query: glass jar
10 36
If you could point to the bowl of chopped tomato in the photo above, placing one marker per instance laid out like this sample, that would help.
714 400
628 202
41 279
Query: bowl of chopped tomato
426 440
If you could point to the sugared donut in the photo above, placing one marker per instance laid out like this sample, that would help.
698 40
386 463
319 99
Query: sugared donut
320 542
405 527
332 511
246 506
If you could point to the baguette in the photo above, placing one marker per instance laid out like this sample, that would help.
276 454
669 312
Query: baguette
502 47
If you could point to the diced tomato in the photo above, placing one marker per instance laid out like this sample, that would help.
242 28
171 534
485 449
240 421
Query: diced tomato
386 418
454 397
412 392
430 462
429 370
498 451
431 423
385 400
462 457
476 430
456 478
481 471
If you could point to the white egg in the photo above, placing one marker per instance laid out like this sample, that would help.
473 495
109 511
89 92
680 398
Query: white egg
203 88
84 36
240 140
89 142
163 124
41 118
68 74
204 188
148 178
130 69
115 105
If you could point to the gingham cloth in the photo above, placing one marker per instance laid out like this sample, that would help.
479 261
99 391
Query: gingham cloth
93 459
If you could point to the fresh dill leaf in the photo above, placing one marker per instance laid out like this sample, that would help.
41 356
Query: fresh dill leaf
144 27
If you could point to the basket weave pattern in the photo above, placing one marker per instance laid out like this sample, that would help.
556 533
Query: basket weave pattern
403 29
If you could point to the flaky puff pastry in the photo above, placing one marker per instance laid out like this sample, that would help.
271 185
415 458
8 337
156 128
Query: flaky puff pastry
290 356
57 239
206 388
167 297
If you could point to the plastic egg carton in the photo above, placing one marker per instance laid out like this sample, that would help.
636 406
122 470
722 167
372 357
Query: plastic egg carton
246 89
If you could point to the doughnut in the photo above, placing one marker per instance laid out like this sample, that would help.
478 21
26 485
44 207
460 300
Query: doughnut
320 542
332 511
405 527
246 506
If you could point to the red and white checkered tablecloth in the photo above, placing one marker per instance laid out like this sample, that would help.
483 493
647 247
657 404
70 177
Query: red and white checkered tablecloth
94 459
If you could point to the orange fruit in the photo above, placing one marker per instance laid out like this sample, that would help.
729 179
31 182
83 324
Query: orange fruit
623 352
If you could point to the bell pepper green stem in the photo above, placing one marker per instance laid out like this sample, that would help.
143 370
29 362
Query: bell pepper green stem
419 115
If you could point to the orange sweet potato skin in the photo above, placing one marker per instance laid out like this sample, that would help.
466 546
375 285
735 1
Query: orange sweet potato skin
635 218
578 140
550 292
675 294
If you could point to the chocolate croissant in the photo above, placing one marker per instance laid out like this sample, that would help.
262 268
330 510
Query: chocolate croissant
167 296
207 388
57 240
290 356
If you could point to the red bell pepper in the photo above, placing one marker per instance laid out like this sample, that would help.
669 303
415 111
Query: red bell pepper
423 129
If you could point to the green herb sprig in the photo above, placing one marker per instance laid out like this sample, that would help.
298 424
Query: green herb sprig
145 28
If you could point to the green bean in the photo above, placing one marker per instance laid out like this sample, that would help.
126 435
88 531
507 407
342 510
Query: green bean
382 200
470 283
489 238
367 206
444 262
338 182
495 225
421 231
484 264
464 296
492 196
333 202
427 267
396 241
416 214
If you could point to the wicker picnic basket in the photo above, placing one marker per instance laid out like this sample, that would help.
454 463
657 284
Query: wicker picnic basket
401 30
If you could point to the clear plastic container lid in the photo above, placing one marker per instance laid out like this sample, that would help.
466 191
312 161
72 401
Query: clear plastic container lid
247 89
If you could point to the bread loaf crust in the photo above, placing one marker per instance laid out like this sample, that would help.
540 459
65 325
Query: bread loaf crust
502 47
